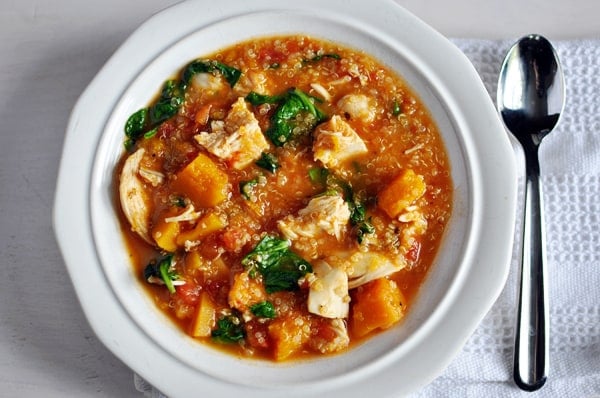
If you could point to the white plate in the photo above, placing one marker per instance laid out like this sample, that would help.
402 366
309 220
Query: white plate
467 276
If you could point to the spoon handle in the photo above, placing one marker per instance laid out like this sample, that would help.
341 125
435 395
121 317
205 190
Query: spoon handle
531 337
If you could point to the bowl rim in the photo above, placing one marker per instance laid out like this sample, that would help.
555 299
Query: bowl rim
493 156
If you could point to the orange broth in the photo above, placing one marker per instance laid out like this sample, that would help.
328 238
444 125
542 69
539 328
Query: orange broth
399 135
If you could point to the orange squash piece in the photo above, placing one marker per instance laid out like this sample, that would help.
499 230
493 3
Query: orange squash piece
205 317
289 334
246 291
203 182
205 226
376 305
401 193
165 233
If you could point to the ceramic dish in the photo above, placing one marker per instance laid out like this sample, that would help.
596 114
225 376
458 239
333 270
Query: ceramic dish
467 276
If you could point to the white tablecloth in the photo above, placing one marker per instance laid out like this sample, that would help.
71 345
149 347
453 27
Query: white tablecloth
570 162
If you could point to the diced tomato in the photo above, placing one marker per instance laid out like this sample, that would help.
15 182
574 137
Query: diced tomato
189 293
271 56
233 239
257 335
166 129
325 331
413 253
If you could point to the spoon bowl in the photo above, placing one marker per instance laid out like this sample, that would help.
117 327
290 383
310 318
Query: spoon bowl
531 97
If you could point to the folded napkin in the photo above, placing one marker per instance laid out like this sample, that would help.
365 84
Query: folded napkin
570 169
570 164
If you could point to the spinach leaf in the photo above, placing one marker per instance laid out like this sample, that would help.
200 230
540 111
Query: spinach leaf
318 175
258 99
136 123
268 161
230 329
171 99
246 188
263 309
231 74
279 266
295 116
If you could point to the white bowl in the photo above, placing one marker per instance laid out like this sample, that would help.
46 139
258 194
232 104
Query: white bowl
467 276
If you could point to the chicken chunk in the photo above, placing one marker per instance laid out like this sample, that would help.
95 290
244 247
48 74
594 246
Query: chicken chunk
336 142
207 82
135 200
358 106
328 294
238 139
363 267
323 214
337 340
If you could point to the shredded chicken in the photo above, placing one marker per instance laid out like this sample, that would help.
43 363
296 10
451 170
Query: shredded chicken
328 294
135 201
323 214
153 177
238 139
190 214
363 267
358 106
339 341
336 142
207 82
321 91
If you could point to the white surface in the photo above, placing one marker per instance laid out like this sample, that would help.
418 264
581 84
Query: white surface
48 54
473 260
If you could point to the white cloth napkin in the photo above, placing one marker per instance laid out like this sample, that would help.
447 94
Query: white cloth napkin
570 162
570 168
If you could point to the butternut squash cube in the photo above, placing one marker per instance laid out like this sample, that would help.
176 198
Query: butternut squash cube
403 191
204 319
165 233
376 305
205 226
203 182
246 291
289 334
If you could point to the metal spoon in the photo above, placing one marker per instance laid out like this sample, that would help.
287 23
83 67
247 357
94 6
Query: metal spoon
531 97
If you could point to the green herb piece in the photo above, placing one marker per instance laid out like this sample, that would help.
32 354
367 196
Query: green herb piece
396 109
358 219
268 161
275 65
230 329
246 188
264 309
178 201
151 133
162 270
318 175
231 74
356 205
364 228
279 266
319 57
